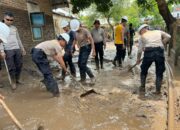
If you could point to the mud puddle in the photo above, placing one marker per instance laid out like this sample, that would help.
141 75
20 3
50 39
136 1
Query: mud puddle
119 107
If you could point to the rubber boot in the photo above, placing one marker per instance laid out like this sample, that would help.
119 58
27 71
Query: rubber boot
102 67
158 85
13 85
97 65
143 82
18 81
114 62
46 84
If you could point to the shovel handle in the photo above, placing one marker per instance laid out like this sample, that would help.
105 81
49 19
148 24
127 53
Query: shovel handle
11 115
7 69
134 65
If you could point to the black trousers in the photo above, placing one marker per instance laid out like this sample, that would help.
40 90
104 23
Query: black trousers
119 53
154 55
68 61
14 61
40 59
82 62
99 52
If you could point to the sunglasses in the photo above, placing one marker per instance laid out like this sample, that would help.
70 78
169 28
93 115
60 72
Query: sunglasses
9 19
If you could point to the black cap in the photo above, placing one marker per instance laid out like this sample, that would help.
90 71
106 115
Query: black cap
96 22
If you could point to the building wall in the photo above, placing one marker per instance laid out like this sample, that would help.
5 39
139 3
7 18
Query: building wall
22 22
57 20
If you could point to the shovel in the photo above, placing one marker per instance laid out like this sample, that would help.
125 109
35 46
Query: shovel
86 92
9 77
11 115
128 69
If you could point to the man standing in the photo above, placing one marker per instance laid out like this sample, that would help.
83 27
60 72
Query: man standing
132 33
85 43
126 37
52 48
151 42
4 33
119 32
98 36
14 50
68 49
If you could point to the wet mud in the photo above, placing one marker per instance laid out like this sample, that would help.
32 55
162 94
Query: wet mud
119 106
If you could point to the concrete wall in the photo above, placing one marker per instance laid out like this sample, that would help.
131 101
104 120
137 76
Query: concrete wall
22 22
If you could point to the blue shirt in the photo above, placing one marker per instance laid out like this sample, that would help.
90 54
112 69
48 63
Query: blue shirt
69 46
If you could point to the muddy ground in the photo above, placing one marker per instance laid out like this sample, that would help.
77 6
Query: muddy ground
119 106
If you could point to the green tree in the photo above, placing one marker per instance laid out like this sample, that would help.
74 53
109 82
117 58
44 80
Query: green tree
162 8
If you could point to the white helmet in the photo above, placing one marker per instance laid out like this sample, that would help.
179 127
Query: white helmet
74 24
65 36
125 18
141 27
64 23
4 32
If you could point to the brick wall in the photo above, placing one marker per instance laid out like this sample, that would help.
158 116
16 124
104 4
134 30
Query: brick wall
18 4
19 8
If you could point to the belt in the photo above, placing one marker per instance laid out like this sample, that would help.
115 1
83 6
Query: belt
153 48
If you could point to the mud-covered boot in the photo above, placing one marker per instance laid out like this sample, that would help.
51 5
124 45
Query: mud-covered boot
114 63
158 86
102 67
143 82
13 84
18 81
97 65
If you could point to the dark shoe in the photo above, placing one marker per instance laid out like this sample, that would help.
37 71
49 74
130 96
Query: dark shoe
13 86
19 82
157 92
114 63
74 75
102 67
83 82
97 65
142 89
93 80
56 94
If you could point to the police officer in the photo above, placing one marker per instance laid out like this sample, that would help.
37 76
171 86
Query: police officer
4 33
151 42
69 50
51 48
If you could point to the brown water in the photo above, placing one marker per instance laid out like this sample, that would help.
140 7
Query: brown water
119 107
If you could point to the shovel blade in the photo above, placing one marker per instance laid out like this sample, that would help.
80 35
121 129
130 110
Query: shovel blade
88 92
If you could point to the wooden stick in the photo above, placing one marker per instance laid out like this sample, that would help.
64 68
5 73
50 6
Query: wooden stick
11 115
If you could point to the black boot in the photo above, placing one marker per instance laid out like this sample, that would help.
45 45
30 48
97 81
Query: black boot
18 81
114 63
143 82
158 85
13 84
102 67
97 65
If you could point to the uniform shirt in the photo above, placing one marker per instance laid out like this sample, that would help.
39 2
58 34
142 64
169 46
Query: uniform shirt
118 38
98 35
69 46
82 37
13 41
1 47
154 38
50 48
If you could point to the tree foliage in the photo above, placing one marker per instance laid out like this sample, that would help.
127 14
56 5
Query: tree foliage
102 5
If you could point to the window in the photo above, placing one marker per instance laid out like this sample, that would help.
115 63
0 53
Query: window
37 33
37 19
